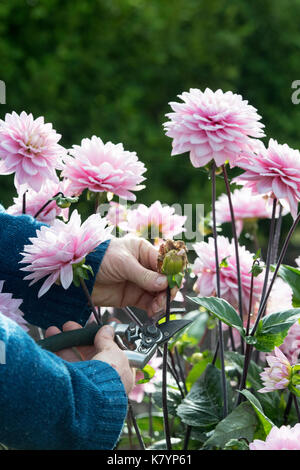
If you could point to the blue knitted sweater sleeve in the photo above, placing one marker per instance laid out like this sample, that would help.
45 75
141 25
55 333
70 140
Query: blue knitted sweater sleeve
56 306
48 403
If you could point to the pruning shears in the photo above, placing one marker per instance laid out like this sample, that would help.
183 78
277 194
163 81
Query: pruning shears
138 342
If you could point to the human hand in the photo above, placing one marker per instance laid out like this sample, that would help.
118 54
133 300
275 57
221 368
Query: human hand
128 276
104 349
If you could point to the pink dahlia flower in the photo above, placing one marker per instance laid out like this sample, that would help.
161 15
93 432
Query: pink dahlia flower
36 200
283 438
59 248
297 261
205 270
212 125
278 375
117 214
246 206
29 148
104 167
274 171
10 308
138 392
155 221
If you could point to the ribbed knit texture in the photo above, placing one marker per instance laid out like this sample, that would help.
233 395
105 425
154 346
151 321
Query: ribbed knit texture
46 402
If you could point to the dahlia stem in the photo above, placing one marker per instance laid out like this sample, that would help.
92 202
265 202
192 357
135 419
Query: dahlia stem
187 437
280 259
24 202
288 408
277 236
262 307
236 245
90 302
221 338
46 204
164 379
250 303
135 425
181 372
269 251
297 407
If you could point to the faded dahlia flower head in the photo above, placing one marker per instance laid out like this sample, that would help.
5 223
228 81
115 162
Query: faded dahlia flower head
205 270
102 167
155 221
10 308
29 148
57 249
246 206
274 171
36 200
212 126
278 375
283 438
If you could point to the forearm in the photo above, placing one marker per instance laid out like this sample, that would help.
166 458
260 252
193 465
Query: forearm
58 305
47 403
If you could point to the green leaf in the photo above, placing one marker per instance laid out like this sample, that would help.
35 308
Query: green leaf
174 397
273 328
197 370
203 405
191 334
253 376
291 276
236 444
265 421
222 310
148 372
241 423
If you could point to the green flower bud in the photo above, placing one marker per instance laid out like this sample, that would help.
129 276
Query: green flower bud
174 263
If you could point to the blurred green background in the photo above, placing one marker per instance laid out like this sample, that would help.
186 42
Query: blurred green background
110 67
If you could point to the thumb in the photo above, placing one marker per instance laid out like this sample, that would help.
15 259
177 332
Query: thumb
146 279
104 338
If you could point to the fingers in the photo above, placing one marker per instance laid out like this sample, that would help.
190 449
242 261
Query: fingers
146 279
104 339
112 354
51 331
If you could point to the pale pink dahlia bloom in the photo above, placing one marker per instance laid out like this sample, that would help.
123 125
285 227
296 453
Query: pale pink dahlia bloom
117 214
36 200
274 171
246 206
155 221
57 249
212 125
278 375
10 308
139 390
283 438
297 261
29 148
102 167
205 270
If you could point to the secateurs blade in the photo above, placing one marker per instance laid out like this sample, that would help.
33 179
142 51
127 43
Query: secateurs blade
138 342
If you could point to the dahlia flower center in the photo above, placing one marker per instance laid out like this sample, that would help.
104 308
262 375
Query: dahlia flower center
34 142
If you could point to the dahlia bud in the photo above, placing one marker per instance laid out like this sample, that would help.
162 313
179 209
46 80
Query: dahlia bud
172 261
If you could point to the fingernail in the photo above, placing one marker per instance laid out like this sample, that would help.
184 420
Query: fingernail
108 330
160 281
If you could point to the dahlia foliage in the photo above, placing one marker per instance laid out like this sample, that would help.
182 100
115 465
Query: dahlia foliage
230 379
